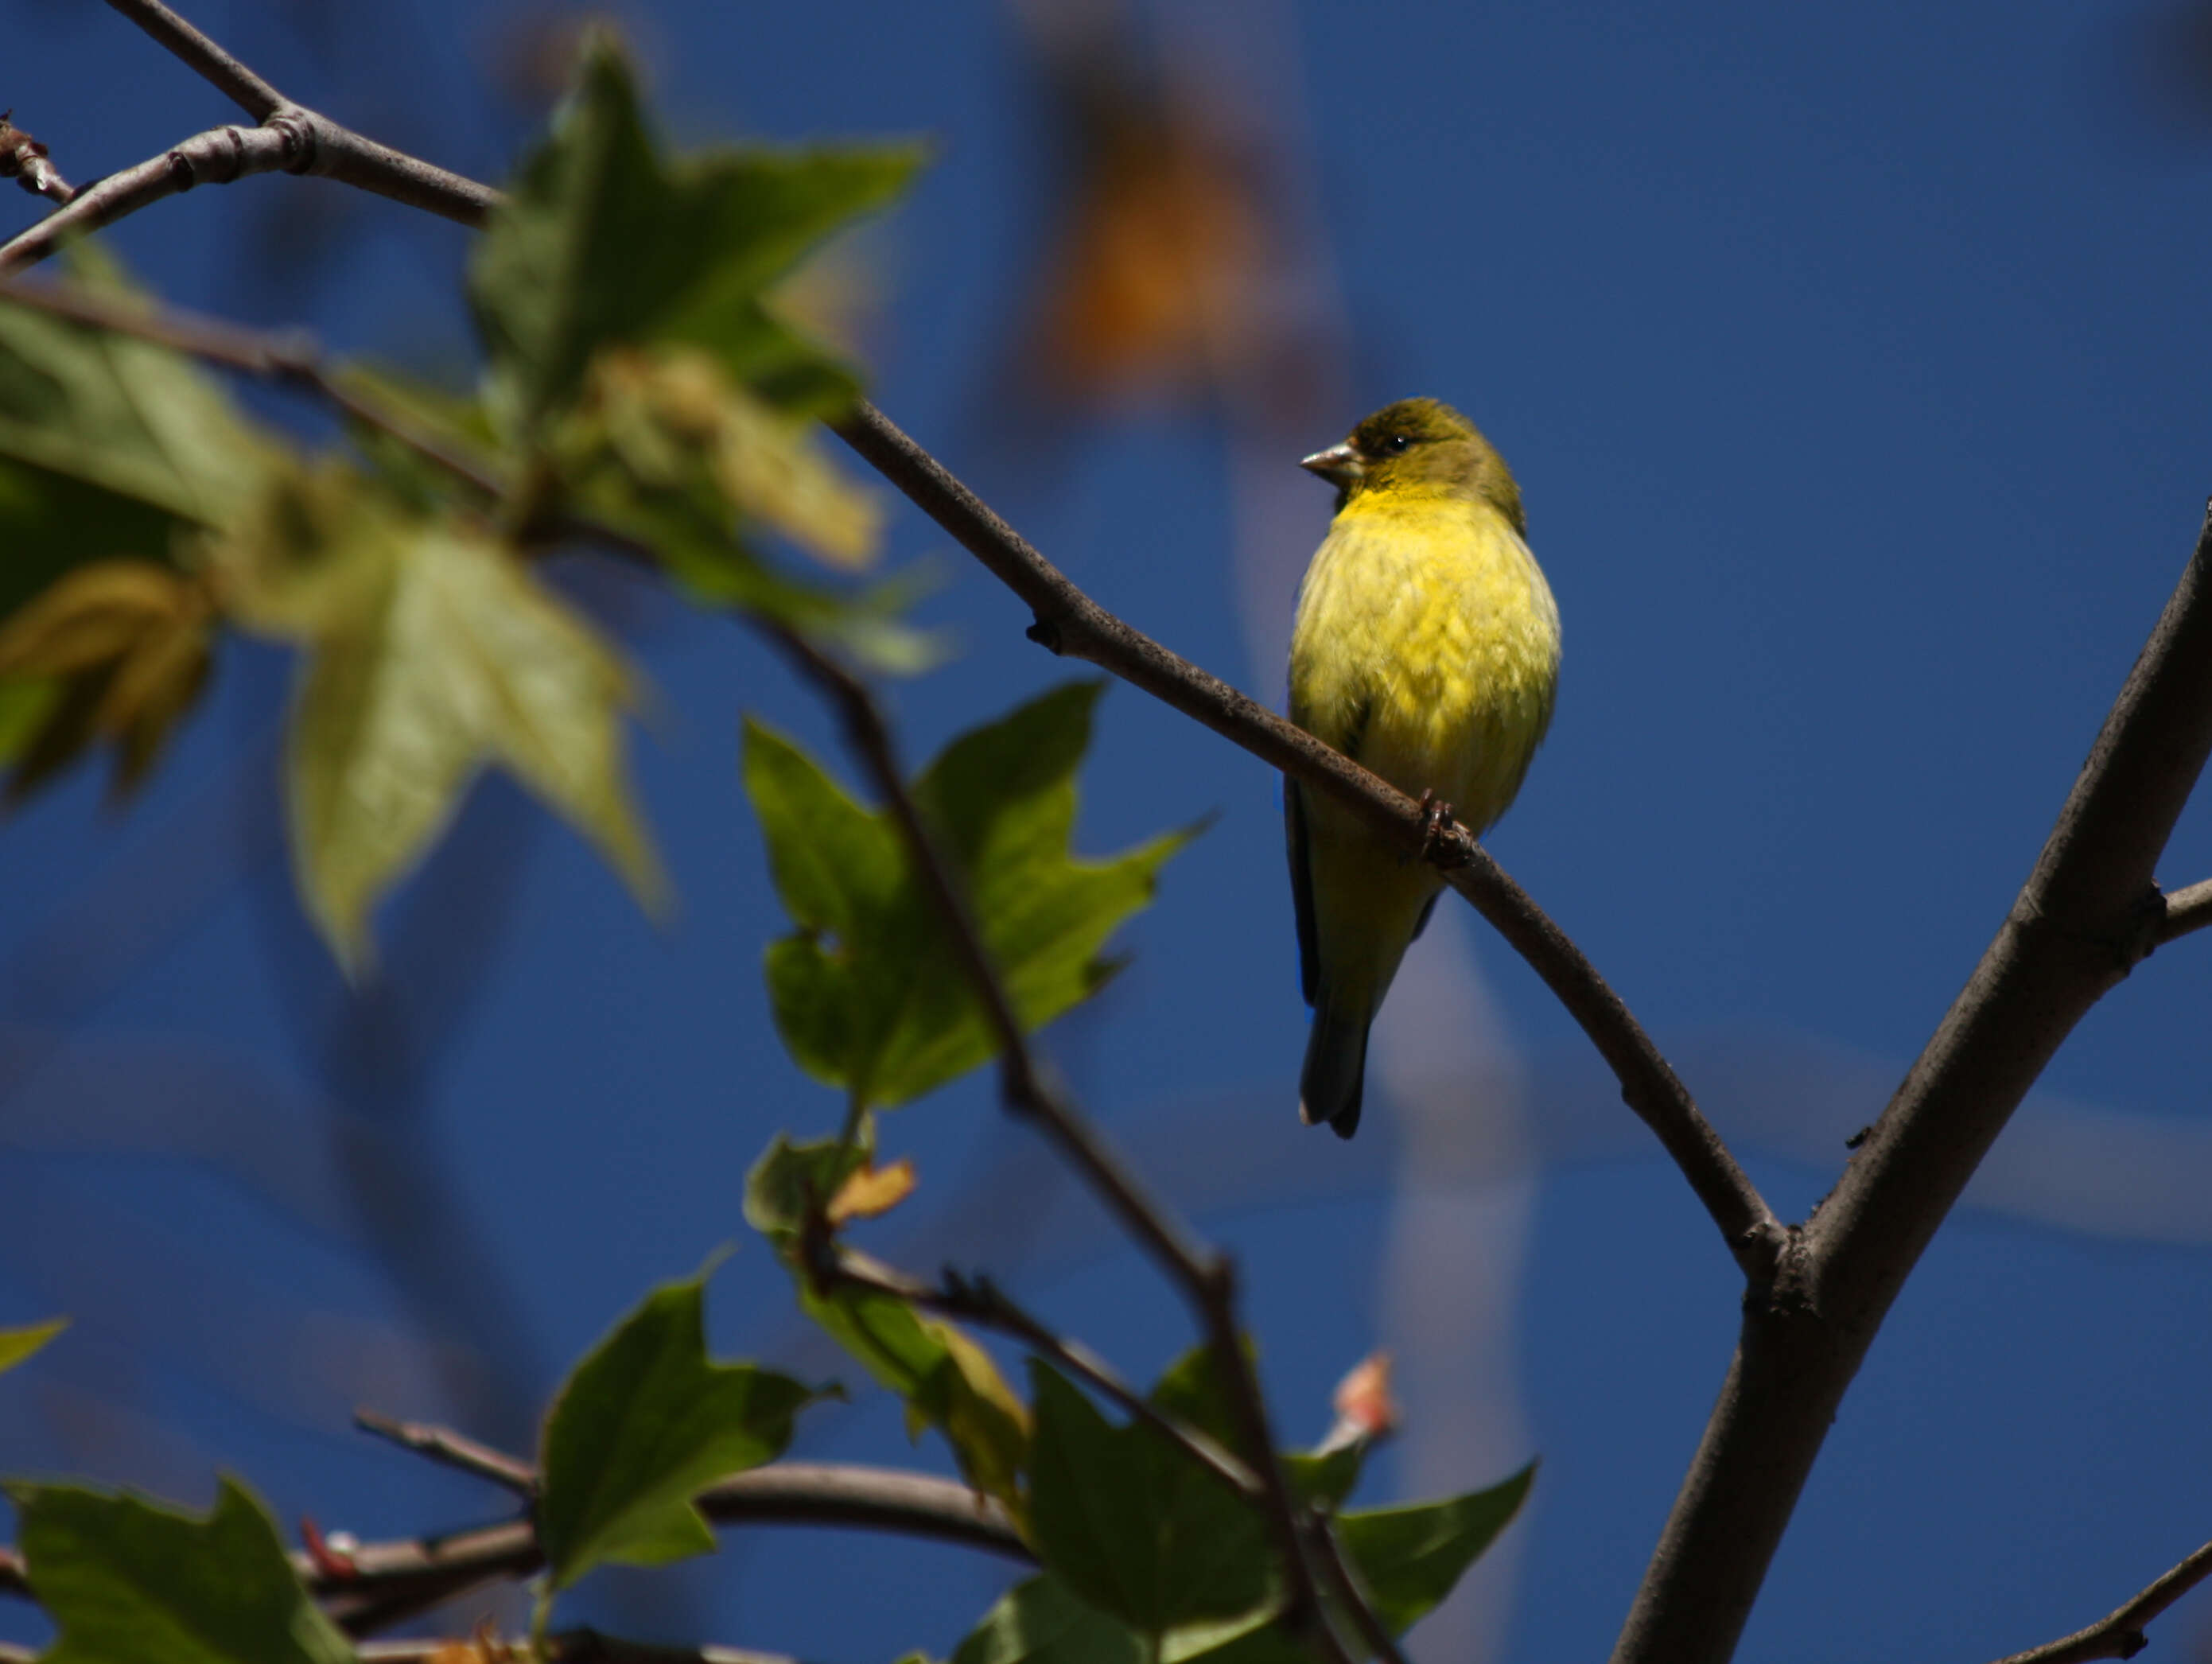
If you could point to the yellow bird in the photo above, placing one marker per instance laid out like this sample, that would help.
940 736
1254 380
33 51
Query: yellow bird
1426 648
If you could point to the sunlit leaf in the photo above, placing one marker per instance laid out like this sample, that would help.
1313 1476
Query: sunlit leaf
675 418
602 240
868 993
124 648
129 419
643 1425
431 652
126 1580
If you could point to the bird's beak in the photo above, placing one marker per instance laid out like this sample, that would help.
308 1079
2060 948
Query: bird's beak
1339 464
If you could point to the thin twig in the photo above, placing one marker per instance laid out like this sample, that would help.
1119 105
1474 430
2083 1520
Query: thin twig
24 159
217 156
1206 1276
2121 1635
980 1301
1344 1578
203 57
453 1449
2186 909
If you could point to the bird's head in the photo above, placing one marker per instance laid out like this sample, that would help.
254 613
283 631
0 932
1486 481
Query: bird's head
1418 447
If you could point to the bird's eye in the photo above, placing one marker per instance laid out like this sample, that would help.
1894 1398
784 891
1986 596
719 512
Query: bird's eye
1396 445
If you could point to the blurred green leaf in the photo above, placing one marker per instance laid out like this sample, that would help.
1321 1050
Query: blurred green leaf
1412 1558
432 652
108 446
126 1580
16 1344
601 240
792 1179
1324 1479
1142 1530
643 1425
867 993
24 708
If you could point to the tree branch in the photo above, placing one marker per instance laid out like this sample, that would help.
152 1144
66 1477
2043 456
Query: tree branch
203 57
2121 1635
215 157
396 1580
452 1449
25 160
2088 913
2186 909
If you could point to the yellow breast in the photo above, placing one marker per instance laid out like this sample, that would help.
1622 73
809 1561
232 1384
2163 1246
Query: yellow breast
1427 648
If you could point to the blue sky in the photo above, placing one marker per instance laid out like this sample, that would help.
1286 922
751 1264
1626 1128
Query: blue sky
1854 367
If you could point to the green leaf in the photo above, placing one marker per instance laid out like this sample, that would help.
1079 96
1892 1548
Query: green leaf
1324 1479
128 417
108 446
791 1181
601 240
1140 1529
1039 1622
433 652
126 1580
16 1344
641 1427
1412 1558
867 993
948 1381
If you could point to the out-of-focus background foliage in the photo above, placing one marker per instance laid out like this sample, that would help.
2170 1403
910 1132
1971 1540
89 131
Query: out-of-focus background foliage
1857 371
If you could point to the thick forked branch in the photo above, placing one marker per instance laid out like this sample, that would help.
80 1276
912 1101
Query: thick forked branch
2089 912
2120 1635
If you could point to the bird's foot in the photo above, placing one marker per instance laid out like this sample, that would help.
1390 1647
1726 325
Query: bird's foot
1437 823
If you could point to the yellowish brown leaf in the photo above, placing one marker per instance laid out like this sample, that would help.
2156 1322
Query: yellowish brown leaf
870 1192
463 659
90 615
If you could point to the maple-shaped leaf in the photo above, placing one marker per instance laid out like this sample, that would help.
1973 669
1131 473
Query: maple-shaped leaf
867 993
125 1580
642 1425
601 239
431 652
